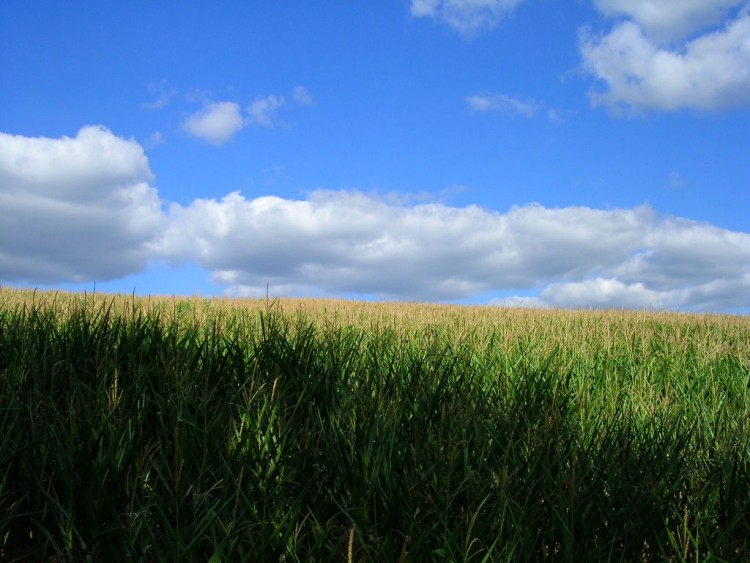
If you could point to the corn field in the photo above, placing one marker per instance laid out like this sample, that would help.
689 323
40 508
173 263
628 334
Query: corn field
191 429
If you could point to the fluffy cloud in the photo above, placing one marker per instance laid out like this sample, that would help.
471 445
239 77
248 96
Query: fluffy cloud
215 123
465 16
716 295
667 20
602 292
501 103
74 209
711 71
218 122
345 242
83 209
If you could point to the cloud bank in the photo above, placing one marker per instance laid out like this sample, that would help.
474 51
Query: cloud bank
667 56
348 242
83 209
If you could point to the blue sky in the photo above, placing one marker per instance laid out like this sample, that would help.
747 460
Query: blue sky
514 152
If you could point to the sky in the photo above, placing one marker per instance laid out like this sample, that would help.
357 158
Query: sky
536 153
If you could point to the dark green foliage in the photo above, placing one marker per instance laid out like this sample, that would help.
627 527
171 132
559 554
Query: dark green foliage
150 437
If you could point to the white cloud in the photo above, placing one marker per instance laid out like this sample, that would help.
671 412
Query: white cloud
609 292
75 209
262 111
302 96
501 103
83 209
215 123
465 16
711 71
519 301
716 295
667 20
350 243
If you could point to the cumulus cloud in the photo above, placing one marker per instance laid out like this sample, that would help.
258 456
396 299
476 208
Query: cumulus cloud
75 209
215 123
468 17
716 295
83 209
218 122
710 71
603 292
351 243
667 20
501 103
262 111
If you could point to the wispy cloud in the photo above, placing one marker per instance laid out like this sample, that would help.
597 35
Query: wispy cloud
302 97
676 181
503 104
467 17
262 110
154 140
164 95
215 123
